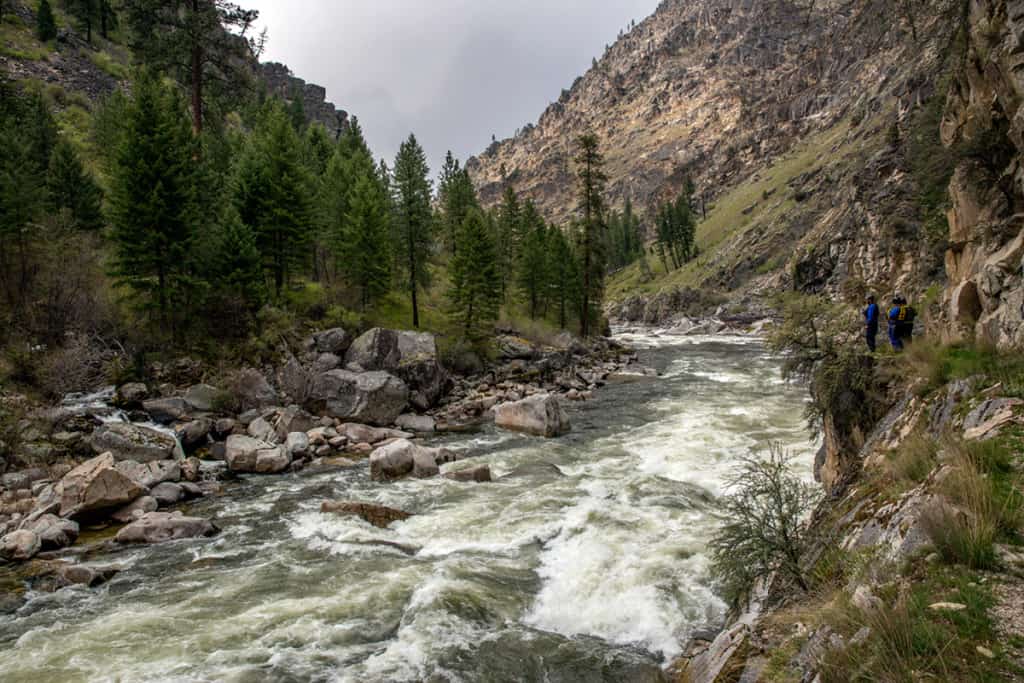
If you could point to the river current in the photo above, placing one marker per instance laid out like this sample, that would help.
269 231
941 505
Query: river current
586 564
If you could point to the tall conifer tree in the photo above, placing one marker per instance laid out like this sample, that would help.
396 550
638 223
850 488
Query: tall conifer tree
72 188
591 176
413 218
475 294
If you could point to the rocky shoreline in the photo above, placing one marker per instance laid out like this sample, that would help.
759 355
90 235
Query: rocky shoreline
121 462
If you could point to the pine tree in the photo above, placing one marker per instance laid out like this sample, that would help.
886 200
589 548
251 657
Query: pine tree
413 218
592 179
509 227
297 112
475 294
22 198
46 24
319 149
205 43
456 197
87 12
153 199
73 188
563 275
533 268
236 269
272 193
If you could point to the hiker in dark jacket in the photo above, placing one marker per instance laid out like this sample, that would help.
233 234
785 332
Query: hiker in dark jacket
905 323
871 314
894 322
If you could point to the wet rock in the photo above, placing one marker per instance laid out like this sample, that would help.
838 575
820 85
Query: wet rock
203 397
253 390
190 491
191 469
321 465
132 394
480 474
159 527
540 415
82 575
402 458
167 494
536 469
377 515
95 486
357 433
151 474
248 455
166 410
419 424
54 532
20 546
376 398
136 509
133 442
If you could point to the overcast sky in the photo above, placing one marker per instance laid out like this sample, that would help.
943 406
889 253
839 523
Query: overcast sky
452 71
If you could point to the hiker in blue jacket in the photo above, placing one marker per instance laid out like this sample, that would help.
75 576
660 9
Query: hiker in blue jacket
894 325
871 323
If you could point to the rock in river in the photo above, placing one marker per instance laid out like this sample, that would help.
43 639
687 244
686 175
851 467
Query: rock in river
402 458
377 515
158 527
540 415
19 546
246 454
95 486
375 398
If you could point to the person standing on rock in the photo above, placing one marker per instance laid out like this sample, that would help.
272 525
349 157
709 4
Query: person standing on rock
894 324
905 324
871 323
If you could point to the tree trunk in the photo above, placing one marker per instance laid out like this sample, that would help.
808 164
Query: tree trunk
412 280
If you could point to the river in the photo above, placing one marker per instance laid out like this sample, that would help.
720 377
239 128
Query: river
587 565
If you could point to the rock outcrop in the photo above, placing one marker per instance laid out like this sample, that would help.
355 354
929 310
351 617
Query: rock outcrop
412 356
281 82
95 486
376 398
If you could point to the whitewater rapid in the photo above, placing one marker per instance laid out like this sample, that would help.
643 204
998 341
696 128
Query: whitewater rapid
587 564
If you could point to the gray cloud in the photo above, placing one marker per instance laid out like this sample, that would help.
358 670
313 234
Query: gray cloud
452 71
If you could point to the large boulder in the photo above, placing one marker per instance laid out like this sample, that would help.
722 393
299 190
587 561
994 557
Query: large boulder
376 398
194 434
136 509
95 486
377 515
203 397
540 415
54 532
412 356
403 458
132 442
335 341
153 473
132 395
158 527
166 410
19 546
252 390
248 455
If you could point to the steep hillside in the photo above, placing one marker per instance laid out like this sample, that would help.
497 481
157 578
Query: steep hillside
799 123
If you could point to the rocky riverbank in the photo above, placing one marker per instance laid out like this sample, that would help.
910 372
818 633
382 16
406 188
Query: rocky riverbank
127 459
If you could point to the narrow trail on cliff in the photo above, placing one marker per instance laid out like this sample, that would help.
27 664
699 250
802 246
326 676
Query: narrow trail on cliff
584 561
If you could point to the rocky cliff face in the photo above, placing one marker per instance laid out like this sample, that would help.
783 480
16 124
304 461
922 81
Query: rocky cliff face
806 126
281 82
985 260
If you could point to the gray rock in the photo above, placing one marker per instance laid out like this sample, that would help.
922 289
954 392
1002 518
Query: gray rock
159 527
419 424
334 341
296 380
132 394
377 515
20 546
293 419
16 481
514 348
166 410
167 494
540 415
191 490
245 454
223 427
357 433
373 398
133 442
402 458
82 575
136 509
54 532
253 390
95 486
151 474
297 443
261 429
326 362
412 356
480 474
194 434
191 469
203 397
